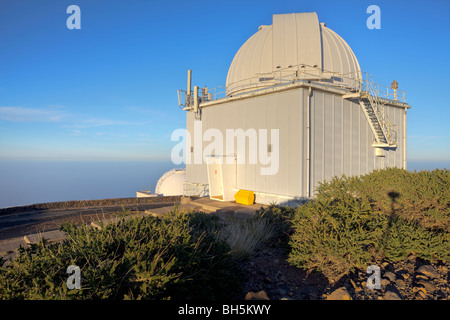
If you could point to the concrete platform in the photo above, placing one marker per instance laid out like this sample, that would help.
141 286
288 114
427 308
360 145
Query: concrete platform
224 209
167 209
8 247
103 223
51 236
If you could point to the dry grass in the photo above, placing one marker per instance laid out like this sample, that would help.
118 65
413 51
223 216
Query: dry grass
246 236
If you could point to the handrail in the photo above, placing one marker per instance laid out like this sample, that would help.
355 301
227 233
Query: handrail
374 98
353 81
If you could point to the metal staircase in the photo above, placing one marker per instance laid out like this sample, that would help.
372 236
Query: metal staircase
368 97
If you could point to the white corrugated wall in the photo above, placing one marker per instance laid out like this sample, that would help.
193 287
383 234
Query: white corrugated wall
341 139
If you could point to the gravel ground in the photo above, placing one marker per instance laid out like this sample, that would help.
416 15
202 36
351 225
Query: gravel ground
268 275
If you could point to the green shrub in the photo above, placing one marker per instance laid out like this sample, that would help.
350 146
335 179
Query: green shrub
404 237
422 196
174 257
386 214
335 236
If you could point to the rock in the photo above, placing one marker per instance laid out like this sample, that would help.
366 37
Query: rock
428 271
427 285
400 283
260 295
283 291
421 277
384 283
420 289
411 257
422 294
390 275
357 288
313 296
267 280
391 295
339 294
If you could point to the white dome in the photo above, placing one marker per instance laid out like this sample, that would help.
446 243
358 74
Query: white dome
280 49
171 183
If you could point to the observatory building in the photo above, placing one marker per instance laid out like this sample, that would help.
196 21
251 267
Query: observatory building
296 110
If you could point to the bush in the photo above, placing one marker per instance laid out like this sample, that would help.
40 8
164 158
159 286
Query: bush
404 237
173 257
335 236
422 196
387 214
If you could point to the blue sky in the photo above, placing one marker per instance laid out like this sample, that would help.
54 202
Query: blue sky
108 90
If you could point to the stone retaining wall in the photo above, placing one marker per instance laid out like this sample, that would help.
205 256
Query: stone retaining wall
89 203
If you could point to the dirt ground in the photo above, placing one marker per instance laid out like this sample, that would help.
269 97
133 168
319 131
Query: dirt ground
412 279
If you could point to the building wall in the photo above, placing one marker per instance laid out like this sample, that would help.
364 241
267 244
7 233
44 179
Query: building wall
341 139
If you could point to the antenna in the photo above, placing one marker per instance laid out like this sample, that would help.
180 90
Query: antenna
195 99
394 86
189 80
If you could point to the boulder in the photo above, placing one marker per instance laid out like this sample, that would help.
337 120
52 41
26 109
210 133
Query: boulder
390 275
339 294
391 295
260 295
427 285
429 271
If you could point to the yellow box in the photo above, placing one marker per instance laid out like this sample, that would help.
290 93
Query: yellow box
244 197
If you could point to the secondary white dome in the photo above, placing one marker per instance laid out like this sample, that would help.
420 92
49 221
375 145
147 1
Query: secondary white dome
171 183
278 50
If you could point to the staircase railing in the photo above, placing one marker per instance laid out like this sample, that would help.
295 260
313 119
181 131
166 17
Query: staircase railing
371 91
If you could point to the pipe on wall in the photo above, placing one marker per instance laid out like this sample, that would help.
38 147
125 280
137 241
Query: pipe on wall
404 139
308 144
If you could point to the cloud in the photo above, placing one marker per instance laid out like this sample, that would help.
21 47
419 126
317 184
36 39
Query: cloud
21 114
152 113
423 137
76 133
111 135
94 123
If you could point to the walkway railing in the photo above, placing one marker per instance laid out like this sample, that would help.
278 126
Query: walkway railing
354 81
